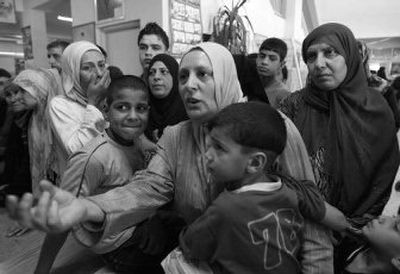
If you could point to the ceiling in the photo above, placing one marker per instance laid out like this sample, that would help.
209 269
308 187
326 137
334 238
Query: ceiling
52 8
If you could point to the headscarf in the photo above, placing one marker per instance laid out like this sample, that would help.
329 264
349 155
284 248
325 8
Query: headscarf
170 110
226 83
70 65
43 85
355 125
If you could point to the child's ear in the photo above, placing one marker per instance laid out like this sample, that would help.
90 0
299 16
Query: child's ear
283 63
257 162
104 109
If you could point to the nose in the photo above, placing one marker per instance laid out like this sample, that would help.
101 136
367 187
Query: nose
149 51
132 115
208 155
320 61
99 71
191 82
157 74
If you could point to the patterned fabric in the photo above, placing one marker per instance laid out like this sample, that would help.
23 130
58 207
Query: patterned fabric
43 85
71 64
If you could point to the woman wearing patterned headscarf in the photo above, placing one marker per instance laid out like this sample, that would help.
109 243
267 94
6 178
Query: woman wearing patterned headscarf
30 93
75 117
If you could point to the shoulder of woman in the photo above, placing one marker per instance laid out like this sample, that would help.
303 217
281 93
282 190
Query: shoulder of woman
291 103
63 105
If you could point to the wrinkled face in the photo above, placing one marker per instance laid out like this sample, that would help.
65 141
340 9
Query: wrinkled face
19 99
93 66
268 63
54 56
326 67
128 114
225 160
196 86
160 80
149 46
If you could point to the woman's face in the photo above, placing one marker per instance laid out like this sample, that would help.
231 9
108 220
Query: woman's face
160 80
19 99
196 86
326 67
93 65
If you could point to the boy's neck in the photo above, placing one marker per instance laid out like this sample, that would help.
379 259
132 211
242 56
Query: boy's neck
118 139
267 81
250 180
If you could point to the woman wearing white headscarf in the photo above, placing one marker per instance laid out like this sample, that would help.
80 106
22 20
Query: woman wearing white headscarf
177 175
75 117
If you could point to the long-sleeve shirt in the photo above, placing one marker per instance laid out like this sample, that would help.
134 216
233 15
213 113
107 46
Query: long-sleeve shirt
178 172
73 125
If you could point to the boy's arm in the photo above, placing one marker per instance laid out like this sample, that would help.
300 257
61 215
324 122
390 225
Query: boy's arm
198 240
48 253
335 219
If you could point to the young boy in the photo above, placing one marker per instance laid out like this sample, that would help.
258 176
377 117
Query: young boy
117 154
255 226
270 61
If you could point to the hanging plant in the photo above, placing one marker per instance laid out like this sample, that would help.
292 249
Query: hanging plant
229 28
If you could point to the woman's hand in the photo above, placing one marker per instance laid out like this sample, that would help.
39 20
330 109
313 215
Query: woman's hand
97 89
56 210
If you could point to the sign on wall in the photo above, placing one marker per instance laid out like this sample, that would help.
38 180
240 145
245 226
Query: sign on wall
7 11
185 25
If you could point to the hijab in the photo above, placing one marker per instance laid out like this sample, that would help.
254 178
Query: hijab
354 124
42 85
169 110
71 64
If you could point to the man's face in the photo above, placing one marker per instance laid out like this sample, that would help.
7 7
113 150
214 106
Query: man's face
149 46
54 56
268 63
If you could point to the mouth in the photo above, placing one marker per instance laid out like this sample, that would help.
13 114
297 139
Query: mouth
157 86
323 76
147 61
191 101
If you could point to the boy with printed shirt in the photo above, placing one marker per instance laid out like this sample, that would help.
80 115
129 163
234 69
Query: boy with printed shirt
255 226
118 153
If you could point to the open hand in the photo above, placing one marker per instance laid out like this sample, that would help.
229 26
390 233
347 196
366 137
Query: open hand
56 210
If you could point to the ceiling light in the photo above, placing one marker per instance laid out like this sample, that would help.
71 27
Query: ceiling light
10 53
64 18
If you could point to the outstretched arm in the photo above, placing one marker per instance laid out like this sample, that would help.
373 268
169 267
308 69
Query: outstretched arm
56 211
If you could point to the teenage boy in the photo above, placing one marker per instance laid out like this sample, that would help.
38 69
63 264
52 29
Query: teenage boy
152 40
118 153
256 225
55 50
270 61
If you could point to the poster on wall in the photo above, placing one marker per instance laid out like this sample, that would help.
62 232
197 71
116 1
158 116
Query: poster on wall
185 25
7 11
109 10
27 42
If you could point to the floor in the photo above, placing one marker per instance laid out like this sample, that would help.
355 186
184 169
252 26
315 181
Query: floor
19 254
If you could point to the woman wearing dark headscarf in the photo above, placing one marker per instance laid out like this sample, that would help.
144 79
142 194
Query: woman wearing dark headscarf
348 128
166 104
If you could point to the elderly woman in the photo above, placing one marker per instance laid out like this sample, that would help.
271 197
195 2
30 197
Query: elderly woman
348 128
29 95
75 117
177 173
166 106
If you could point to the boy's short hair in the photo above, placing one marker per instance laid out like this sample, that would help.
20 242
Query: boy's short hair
4 73
58 44
125 81
276 45
154 28
253 125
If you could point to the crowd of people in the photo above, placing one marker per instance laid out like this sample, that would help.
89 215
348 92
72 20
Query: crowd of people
213 159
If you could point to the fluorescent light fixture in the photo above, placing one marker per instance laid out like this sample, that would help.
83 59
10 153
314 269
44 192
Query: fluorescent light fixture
11 53
64 18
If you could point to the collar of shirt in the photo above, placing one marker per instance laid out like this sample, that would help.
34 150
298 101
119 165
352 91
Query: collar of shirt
262 186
